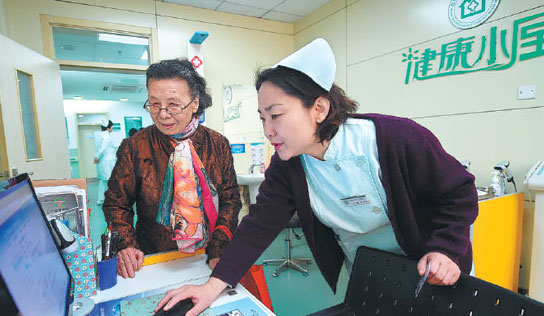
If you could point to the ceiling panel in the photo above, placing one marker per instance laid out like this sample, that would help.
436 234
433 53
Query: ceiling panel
301 8
282 17
277 10
204 4
241 9
263 4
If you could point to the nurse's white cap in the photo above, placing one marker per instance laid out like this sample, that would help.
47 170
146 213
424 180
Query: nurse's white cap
104 122
316 60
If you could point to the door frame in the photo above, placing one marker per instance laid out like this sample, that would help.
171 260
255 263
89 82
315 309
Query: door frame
4 163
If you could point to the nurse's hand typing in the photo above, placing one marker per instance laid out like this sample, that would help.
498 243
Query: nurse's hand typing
443 270
129 260
201 295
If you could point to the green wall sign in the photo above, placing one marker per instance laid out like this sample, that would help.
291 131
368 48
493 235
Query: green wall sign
465 14
132 122
464 55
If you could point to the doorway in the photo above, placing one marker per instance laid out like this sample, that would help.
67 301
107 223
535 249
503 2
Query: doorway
87 149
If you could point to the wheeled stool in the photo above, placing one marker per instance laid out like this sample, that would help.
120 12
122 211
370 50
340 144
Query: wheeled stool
288 262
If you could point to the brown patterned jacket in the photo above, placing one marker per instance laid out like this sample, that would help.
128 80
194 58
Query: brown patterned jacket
138 178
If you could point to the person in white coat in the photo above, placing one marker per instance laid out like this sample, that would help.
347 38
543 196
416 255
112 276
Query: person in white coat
104 158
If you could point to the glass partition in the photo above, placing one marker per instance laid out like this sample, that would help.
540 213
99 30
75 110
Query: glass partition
98 46
28 116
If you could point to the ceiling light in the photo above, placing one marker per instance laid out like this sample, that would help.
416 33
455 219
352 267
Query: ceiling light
123 99
122 39
145 56
81 115
77 97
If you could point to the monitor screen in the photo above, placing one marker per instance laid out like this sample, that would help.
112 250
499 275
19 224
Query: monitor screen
31 267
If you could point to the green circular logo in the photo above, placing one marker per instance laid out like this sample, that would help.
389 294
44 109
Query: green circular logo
465 14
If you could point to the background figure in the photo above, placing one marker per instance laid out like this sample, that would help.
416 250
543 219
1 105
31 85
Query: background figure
132 131
104 158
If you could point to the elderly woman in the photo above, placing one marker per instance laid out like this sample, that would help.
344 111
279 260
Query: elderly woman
180 175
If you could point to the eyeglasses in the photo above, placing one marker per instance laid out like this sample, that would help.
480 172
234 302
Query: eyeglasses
172 108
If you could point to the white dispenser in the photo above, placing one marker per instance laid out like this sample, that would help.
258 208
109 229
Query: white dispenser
495 184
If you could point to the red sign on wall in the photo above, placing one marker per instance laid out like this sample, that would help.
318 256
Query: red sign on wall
197 62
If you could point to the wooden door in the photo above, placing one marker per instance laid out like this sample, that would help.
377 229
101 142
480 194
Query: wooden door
35 139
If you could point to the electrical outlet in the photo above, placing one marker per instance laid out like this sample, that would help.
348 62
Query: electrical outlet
526 92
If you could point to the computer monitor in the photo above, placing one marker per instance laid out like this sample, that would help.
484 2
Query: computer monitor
31 267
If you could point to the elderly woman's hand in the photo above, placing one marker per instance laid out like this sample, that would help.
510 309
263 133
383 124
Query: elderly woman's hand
443 270
129 260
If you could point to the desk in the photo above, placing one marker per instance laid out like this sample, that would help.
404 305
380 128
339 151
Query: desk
161 277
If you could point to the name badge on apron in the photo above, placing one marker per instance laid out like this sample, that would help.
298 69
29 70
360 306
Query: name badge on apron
355 200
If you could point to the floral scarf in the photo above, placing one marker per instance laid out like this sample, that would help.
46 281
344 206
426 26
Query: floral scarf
189 200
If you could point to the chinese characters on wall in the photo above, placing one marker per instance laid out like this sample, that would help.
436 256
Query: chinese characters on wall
497 50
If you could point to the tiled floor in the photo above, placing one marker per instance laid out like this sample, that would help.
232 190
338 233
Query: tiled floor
98 223
295 294
292 294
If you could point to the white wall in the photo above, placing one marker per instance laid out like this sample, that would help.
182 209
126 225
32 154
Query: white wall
235 47
117 111
245 127
3 19
476 116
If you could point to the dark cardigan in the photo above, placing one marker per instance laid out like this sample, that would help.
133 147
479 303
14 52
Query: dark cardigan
431 199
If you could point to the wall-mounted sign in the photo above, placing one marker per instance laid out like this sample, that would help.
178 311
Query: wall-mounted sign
132 122
465 14
498 50
257 156
231 111
227 95
238 148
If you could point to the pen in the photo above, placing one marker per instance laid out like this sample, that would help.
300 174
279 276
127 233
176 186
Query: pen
103 244
114 243
108 243
421 281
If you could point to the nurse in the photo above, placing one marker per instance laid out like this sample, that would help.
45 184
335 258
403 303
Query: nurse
354 179
104 158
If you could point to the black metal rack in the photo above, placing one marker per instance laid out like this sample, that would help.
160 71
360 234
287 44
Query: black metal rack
383 283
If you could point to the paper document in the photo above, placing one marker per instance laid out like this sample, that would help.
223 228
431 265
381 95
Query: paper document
66 203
